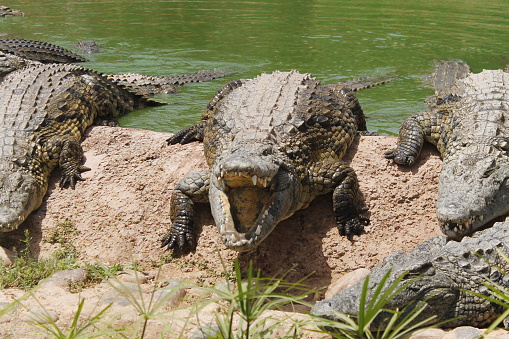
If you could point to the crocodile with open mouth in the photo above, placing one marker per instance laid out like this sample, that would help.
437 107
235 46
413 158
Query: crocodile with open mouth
273 144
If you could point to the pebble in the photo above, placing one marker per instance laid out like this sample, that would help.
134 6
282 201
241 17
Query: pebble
7 256
463 332
172 295
346 281
41 316
133 276
65 278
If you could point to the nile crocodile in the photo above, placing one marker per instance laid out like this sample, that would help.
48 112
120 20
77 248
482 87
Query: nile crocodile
39 51
273 144
45 109
468 121
441 276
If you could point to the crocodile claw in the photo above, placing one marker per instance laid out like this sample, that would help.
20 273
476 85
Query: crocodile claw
180 235
70 179
400 156
188 134
353 226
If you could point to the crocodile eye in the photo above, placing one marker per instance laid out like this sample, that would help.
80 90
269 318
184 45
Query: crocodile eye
424 269
490 171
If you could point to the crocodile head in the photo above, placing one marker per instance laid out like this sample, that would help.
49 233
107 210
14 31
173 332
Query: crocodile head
473 189
439 276
250 193
20 194
423 280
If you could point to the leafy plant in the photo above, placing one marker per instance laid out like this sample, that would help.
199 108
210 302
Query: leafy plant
249 303
27 271
401 323
499 295
79 327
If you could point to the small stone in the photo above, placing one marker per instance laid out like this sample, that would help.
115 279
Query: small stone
66 277
428 333
41 316
463 332
132 276
172 293
7 256
346 281
208 330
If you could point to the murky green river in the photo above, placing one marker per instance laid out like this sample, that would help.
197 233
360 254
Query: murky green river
332 39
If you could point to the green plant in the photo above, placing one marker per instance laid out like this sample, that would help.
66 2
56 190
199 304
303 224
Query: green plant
27 271
79 328
64 234
498 295
250 301
401 323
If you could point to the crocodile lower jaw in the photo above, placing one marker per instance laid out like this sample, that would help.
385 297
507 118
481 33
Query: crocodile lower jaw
247 209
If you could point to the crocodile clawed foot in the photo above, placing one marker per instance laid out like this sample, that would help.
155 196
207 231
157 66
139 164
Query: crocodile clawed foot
400 157
353 226
178 238
187 135
70 179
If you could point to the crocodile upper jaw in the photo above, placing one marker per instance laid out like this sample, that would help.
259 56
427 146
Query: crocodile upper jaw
473 190
20 194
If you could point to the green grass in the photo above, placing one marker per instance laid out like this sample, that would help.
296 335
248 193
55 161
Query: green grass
27 271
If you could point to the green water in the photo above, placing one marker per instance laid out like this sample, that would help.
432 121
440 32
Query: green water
333 40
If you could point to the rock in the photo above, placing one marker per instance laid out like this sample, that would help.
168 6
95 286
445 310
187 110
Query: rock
172 295
7 257
346 281
208 330
463 332
41 316
430 333
128 275
66 278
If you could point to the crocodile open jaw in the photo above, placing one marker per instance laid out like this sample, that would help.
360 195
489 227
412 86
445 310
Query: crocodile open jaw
247 207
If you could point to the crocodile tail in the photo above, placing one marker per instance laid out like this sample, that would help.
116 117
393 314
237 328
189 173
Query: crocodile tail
198 76
446 73
358 84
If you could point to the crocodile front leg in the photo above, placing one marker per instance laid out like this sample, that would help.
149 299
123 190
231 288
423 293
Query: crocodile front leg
70 156
349 206
193 188
420 127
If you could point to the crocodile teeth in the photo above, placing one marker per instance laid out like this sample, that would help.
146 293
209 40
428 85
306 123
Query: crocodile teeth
254 177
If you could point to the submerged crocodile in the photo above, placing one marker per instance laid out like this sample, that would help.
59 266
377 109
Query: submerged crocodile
45 109
468 121
273 144
88 47
441 276
7 11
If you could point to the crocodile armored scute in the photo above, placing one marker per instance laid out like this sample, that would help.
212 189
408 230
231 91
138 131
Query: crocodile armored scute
272 143
39 51
468 121
444 277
